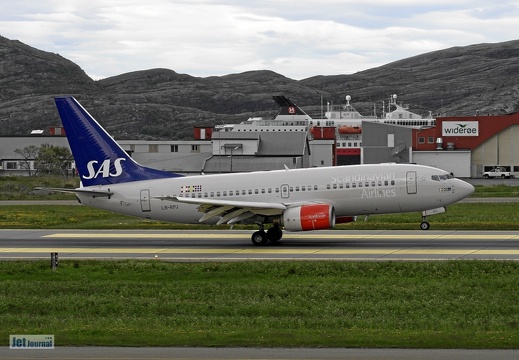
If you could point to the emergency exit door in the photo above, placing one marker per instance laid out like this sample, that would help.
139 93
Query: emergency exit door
145 200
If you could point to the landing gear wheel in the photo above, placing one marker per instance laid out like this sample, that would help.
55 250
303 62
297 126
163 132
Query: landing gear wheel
259 238
424 225
274 234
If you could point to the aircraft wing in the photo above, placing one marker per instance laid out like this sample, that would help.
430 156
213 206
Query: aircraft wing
230 211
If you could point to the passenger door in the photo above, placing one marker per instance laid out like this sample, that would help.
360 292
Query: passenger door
411 182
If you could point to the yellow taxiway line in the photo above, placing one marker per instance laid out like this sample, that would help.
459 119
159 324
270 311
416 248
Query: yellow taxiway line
285 236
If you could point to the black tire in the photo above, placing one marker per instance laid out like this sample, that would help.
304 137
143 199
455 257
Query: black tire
259 238
425 225
485 176
274 234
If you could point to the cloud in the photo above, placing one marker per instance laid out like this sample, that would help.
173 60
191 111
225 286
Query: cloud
295 38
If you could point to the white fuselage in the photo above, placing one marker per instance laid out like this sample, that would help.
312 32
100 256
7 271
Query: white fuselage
351 190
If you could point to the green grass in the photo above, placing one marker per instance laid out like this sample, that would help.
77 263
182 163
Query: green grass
496 191
23 187
455 304
465 216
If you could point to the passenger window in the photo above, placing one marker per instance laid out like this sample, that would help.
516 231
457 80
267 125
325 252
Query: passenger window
250 192
386 183
255 191
212 194
217 193
353 185
328 186
360 184
270 190
205 194
230 193
335 186
303 188
277 190
224 193
392 182
372 183
297 188
263 191
347 185
316 187
341 186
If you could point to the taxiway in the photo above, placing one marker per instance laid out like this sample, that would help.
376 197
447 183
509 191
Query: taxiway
231 245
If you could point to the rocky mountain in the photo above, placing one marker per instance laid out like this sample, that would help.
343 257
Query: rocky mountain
162 104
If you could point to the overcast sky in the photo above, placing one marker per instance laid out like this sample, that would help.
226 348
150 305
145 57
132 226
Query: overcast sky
295 38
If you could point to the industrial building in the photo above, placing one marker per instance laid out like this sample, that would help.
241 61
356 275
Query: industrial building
465 146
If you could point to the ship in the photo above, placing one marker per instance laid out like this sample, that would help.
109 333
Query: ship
348 122
344 120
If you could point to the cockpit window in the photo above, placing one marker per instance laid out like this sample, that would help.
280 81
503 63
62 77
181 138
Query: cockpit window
441 177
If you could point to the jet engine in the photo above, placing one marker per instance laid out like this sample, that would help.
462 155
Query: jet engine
345 219
308 217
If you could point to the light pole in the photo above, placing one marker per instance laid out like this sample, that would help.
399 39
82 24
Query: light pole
235 148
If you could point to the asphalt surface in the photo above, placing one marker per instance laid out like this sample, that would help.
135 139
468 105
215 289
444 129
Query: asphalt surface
229 245
91 353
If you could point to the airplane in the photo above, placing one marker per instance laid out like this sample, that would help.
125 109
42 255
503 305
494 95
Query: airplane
290 199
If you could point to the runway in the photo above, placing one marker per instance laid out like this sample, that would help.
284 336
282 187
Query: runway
211 245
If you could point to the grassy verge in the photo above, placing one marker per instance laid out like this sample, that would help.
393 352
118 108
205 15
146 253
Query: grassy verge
461 304
22 187
467 216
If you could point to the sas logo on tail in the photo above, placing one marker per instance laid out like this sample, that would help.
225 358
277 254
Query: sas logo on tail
104 169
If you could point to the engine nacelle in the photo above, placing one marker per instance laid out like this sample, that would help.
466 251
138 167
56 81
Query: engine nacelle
308 217
345 219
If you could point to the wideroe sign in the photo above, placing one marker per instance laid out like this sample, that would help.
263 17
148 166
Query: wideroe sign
460 128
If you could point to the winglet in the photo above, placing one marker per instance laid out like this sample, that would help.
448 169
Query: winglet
100 160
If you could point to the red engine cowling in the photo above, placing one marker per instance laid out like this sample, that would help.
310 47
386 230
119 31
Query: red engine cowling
309 217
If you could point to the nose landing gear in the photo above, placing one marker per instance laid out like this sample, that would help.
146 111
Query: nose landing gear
424 225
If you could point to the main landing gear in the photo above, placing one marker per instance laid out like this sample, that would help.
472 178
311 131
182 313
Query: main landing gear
262 237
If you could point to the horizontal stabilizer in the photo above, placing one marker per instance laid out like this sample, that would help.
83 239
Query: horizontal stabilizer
95 193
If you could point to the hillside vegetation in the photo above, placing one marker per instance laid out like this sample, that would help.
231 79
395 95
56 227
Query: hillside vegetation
162 104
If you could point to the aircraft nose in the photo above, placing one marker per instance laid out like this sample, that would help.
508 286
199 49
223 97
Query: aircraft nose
464 189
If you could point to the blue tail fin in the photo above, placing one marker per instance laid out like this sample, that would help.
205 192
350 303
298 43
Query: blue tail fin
99 159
